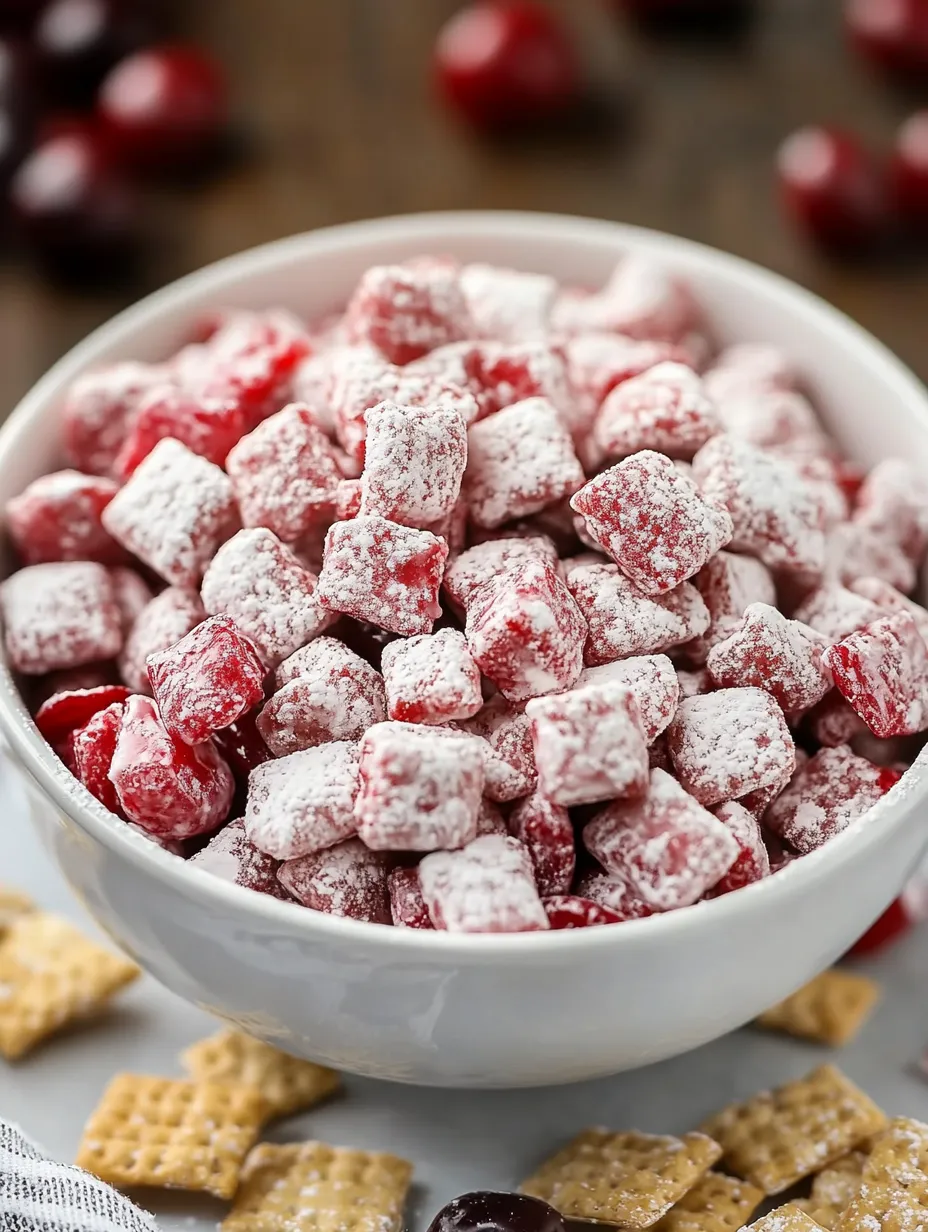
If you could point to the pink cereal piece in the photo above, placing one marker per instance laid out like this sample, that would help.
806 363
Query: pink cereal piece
262 585
545 830
825 796
772 419
207 680
285 474
507 305
171 789
209 429
466 573
513 373
893 503
856 551
836 611
488 887
652 521
729 743
173 512
526 633
431 678
325 692
347 499
667 847
597 363
59 615
510 761
589 744
753 862
614 894
408 310
882 671
98 410
519 461
414 462
729 584
407 906
833 721
571 911
641 299
664 409
378 571
420 788
653 681
132 594
231 855
92 749
164 620
622 621
769 652
57 517
303 802
888 599
347 880
775 514
749 367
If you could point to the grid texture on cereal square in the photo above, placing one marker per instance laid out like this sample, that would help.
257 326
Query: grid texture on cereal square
830 1009
716 1203
834 1189
630 1179
893 1194
51 975
312 1187
789 1218
172 1134
778 1137
287 1083
13 904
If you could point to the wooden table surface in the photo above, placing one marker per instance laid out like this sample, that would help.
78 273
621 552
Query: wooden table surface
335 102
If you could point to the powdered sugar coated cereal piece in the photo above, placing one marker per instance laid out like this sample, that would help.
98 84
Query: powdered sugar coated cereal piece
57 517
304 802
99 408
613 893
825 796
515 372
507 305
571 911
833 721
131 593
893 503
652 521
653 681
231 855
664 409
407 906
59 615
835 611
729 584
855 551
167 618
407 310
782 656
771 419
173 512
667 847
488 887
510 756
526 633
597 363
483 562
378 571
420 788
882 671
413 463
887 598
519 461
431 678
348 880
589 744
347 499
325 692
729 743
91 752
262 585
641 299
547 833
748 367
753 862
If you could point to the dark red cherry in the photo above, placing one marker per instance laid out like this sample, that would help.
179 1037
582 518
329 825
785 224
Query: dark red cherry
505 62
484 1211
684 13
77 41
892 34
894 921
909 171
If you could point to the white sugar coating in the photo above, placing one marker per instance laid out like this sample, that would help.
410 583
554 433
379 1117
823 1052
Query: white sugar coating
506 304
515 372
490 820
346 880
519 461
165 620
488 887
729 743
589 744
825 796
665 408
173 512
413 463
431 678
510 755
750 365
835 611
771 417
888 599
59 615
893 503
259 582
57 517
596 363
782 656
651 678
695 682
420 788
99 407
652 521
131 593
854 551
303 803
548 834
613 892
746 831
728 584
641 299
667 847
231 855
325 692
466 573
622 621
776 516
882 671
407 310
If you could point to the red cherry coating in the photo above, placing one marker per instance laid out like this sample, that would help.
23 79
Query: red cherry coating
163 107
894 921
505 62
65 713
893 34
831 187
484 1211
909 171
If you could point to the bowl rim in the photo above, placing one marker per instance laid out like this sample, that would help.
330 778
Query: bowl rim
53 781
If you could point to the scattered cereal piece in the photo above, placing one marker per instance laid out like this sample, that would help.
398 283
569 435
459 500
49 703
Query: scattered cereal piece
303 802
767 651
716 1203
830 1009
431 678
546 831
13 904
231 855
59 615
488 887
893 1191
882 671
664 409
789 1218
413 463
348 879
834 1188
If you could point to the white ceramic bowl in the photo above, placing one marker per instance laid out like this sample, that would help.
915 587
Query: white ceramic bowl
435 1008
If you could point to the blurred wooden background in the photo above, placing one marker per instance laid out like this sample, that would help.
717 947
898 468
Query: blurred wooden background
335 105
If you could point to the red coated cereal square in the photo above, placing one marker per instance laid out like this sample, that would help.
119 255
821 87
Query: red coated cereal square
510 373
651 678
888 599
729 584
208 429
770 652
407 310
263 586
68 710
164 620
510 756
546 831
641 299
173 513
753 862
57 517
893 503
666 847
99 408
507 305
664 409
729 743
882 671
231 855
378 571
854 551
207 680
652 521
489 887
303 802
407 906
589 744
571 911
598 363
59 615
836 611
614 894
347 880
420 788
431 678
92 749
131 592
484 562
413 463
